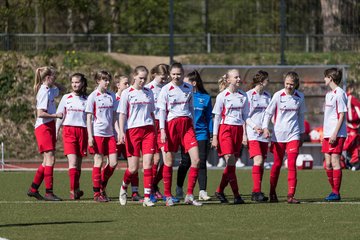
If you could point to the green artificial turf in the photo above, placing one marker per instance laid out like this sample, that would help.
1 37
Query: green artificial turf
25 218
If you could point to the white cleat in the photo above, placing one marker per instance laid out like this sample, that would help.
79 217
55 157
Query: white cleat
189 199
204 196
148 203
221 162
122 196
239 164
169 202
179 192
208 164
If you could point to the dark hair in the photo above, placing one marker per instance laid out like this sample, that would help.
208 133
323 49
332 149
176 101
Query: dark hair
259 77
195 76
102 75
176 65
160 69
83 80
335 74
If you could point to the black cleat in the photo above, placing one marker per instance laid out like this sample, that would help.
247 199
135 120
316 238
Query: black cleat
35 195
273 198
258 197
292 200
221 197
51 197
238 200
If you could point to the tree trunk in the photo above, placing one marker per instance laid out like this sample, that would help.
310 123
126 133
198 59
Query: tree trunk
114 15
70 22
331 16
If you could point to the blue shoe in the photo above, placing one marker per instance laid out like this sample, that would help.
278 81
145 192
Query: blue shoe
174 199
333 197
153 198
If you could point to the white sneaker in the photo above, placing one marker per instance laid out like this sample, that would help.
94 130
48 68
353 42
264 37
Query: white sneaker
221 162
179 192
148 203
239 164
208 164
169 202
204 196
122 196
189 199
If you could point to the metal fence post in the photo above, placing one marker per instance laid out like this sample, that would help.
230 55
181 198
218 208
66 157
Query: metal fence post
109 42
208 43
307 43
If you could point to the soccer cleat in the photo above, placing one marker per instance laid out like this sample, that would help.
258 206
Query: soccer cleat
76 195
238 200
158 195
153 198
51 197
103 193
179 192
36 195
258 197
221 197
169 201
122 196
204 196
136 197
292 200
333 197
174 199
100 198
273 198
148 203
221 162
189 199
239 163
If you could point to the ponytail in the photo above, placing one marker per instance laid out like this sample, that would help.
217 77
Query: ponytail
40 74
223 82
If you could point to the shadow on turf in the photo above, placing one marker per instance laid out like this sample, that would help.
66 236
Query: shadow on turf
49 223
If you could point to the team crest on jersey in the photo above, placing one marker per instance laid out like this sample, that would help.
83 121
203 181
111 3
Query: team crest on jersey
201 100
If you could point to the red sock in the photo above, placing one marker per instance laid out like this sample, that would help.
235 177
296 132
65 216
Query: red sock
292 176
49 178
77 179
256 176
261 173
147 182
127 179
329 173
233 181
274 176
159 175
72 178
154 170
193 175
337 180
38 178
105 176
167 176
135 181
224 181
96 178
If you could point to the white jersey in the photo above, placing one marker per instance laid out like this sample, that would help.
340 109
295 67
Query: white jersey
335 103
45 100
288 112
73 109
176 100
257 106
233 108
137 105
155 88
101 105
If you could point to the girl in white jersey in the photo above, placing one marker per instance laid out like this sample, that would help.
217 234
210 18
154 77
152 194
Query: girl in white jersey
257 143
45 131
288 108
137 108
231 111
121 83
175 103
100 126
334 130
72 107
159 77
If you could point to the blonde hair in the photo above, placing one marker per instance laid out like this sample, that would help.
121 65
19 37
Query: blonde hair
137 70
223 81
40 74
117 79
160 69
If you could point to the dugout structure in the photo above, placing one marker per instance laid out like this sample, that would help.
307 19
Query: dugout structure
311 82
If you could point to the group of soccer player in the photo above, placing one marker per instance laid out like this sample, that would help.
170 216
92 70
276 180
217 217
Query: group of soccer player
150 121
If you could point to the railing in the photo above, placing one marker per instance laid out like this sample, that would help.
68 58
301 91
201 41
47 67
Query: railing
158 44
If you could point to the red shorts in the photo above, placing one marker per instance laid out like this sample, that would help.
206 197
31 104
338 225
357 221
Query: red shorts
335 148
140 138
46 137
230 139
158 144
75 140
288 147
103 145
257 148
121 149
180 131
